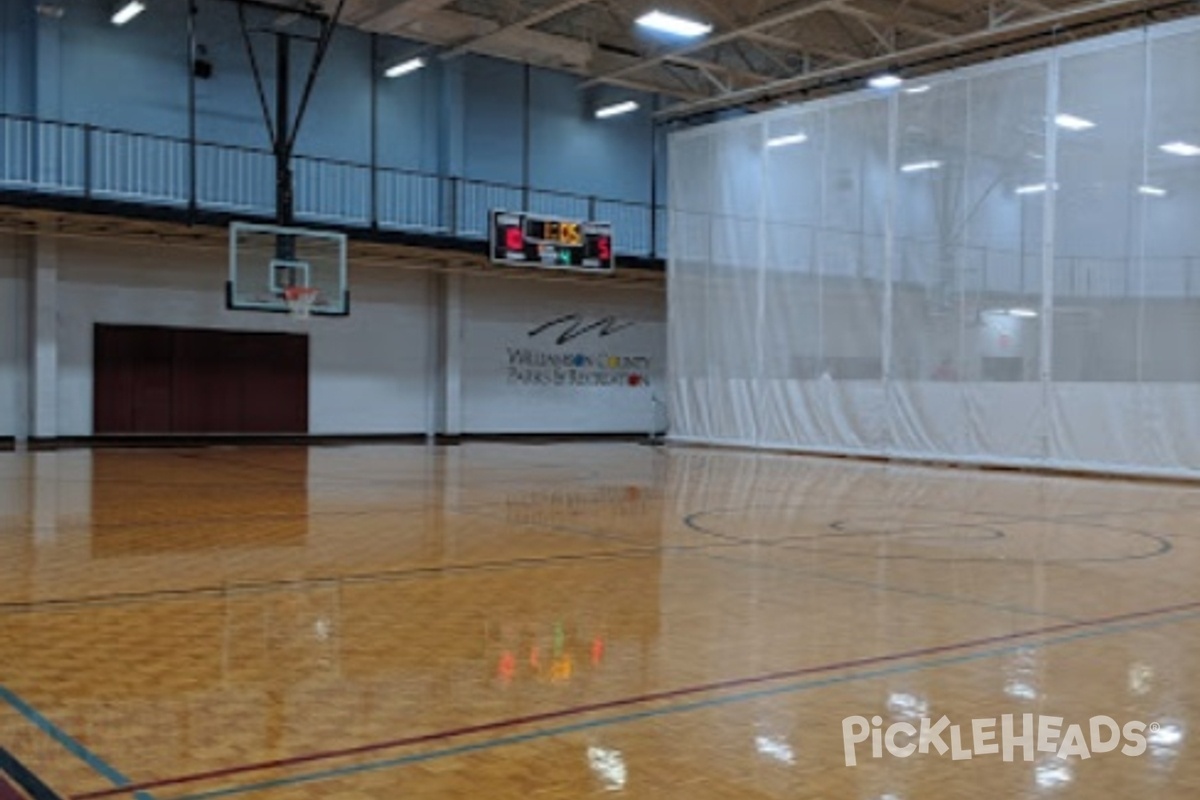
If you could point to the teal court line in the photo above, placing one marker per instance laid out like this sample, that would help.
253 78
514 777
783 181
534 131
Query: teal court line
715 702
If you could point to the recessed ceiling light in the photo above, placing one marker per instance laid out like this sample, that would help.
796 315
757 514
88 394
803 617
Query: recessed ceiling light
1152 191
784 141
885 81
616 110
676 26
127 11
920 166
1073 123
404 67
1180 149
1024 313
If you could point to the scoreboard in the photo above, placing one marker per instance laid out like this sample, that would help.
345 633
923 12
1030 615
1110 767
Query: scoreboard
538 241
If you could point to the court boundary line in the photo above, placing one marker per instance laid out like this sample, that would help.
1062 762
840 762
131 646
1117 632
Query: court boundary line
716 553
24 778
633 551
251 587
1073 629
72 745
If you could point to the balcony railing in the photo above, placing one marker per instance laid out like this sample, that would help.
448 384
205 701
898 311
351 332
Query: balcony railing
87 161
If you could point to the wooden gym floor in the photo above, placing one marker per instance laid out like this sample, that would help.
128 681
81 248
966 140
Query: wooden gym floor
564 621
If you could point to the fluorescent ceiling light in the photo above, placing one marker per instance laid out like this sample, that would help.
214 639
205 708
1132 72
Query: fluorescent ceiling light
920 166
885 81
676 26
1073 123
405 67
1180 149
922 89
784 141
1153 191
127 12
616 109
1024 313
1032 188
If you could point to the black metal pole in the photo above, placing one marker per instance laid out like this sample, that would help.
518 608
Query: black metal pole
654 186
191 68
525 136
285 206
88 132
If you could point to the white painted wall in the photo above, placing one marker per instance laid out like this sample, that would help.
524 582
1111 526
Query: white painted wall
369 371
499 315
374 372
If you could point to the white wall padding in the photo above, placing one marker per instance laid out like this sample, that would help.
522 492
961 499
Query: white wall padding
995 265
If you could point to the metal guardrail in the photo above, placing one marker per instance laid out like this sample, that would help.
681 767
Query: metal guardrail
67 158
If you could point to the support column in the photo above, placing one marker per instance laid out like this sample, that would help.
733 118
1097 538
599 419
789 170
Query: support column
14 352
43 339
452 316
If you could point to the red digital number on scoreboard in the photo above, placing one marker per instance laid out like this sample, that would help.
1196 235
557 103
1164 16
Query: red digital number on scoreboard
514 240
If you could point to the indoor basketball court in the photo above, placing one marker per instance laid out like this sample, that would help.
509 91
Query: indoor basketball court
406 398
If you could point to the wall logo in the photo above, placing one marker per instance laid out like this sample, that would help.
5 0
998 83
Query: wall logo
553 364
571 327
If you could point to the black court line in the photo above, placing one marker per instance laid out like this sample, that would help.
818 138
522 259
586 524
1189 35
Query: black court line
987 522
249 587
24 778
637 551
421 478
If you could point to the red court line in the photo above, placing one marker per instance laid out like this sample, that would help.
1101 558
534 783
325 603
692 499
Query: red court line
7 792
670 694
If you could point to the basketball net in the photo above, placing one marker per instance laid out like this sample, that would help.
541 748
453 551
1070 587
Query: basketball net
300 300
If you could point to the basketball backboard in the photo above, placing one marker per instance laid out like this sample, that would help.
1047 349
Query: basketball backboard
266 261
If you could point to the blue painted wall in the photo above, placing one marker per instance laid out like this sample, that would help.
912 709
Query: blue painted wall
18 33
610 158
465 116
493 120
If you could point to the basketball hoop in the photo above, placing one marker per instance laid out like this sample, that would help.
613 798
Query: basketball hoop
300 300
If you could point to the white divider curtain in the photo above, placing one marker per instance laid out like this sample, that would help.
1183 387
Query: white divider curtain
996 265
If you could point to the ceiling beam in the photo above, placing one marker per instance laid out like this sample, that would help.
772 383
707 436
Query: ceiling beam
797 46
1031 25
733 73
726 17
863 15
711 41
515 27
400 14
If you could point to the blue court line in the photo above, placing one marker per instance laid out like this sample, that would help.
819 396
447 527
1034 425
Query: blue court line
69 743
715 702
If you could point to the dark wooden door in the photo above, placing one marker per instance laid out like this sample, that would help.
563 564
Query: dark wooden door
132 380
190 381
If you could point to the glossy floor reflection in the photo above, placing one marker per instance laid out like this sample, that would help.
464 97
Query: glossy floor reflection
573 620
